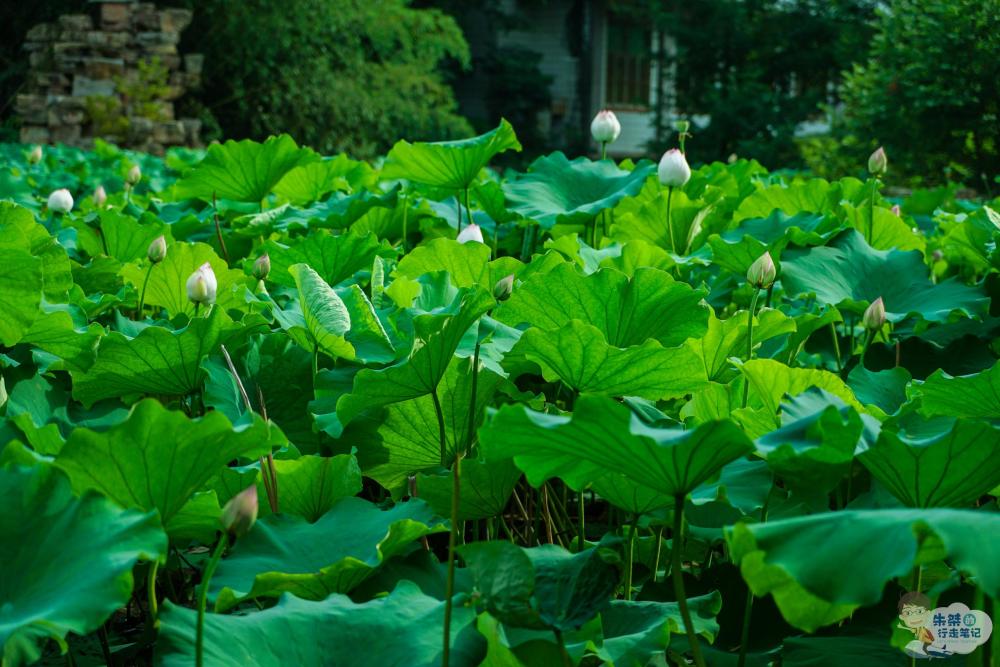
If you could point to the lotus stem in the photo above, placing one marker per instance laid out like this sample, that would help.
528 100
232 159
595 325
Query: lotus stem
456 471
869 338
604 150
199 642
836 347
151 590
678 576
218 229
750 314
659 550
142 294
871 213
406 210
580 515
670 222
458 200
567 661
633 529
748 607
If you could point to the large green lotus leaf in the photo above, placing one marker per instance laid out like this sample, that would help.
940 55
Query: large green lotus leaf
18 229
272 368
325 316
578 355
814 447
557 190
736 249
334 258
310 485
849 650
62 330
67 560
368 335
405 628
407 436
976 395
309 182
849 274
770 380
168 279
728 338
812 196
126 238
157 361
339 211
243 171
21 281
467 264
890 231
287 554
634 632
437 334
884 389
644 218
633 498
637 254
603 436
448 164
157 458
820 568
485 492
542 587
627 311
941 462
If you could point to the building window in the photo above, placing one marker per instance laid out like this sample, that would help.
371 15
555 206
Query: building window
627 74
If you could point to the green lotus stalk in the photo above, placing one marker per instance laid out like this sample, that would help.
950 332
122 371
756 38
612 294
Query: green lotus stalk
678 577
456 472
633 529
659 549
458 200
748 607
151 593
199 642
581 539
670 220
406 210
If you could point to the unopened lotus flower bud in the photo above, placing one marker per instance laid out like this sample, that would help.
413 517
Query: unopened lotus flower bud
202 285
100 196
157 250
472 232
134 175
874 316
762 272
937 255
605 127
35 156
61 201
503 288
261 267
896 211
878 162
674 170
240 513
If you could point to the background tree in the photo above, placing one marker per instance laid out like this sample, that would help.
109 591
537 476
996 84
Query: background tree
928 92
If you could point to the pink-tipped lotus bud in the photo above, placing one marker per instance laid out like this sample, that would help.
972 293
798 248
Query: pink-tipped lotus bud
35 156
261 267
202 285
60 201
100 196
605 127
240 513
503 288
157 250
762 272
878 162
134 175
472 232
674 170
874 316
896 211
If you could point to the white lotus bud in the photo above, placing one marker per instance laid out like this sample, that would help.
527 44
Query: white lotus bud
202 285
878 162
240 513
674 170
261 267
897 211
762 272
472 232
874 316
605 127
35 156
502 290
100 196
61 201
134 175
157 250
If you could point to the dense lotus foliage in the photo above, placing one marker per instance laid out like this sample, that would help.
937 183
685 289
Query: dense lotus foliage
251 381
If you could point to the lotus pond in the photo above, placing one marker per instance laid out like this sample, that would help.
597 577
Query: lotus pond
266 407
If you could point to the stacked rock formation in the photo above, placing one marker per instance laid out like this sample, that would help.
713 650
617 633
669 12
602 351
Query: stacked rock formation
83 68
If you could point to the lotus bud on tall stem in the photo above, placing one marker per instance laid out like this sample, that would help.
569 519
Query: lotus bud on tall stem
605 129
760 275
878 163
873 321
673 172
155 253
